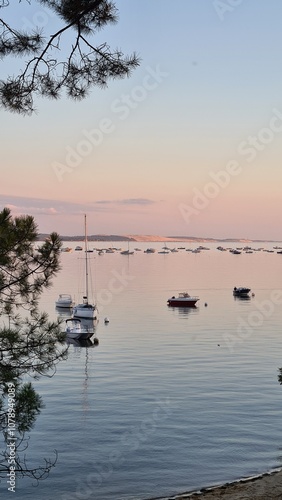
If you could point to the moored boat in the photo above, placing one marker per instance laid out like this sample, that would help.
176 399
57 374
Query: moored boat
73 328
80 329
127 252
183 300
64 300
241 291
85 309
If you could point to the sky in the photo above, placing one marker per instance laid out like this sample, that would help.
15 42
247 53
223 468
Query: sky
189 145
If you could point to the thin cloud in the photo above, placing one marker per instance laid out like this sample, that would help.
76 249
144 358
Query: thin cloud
127 201
35 206
137 201
22 210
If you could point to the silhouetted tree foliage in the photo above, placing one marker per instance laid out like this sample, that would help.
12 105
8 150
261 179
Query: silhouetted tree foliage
28 345
26 268
27 406
45 73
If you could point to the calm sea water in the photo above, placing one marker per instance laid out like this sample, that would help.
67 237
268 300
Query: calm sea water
170 400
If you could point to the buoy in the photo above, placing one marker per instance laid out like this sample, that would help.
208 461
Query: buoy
106 320
206 304
253 295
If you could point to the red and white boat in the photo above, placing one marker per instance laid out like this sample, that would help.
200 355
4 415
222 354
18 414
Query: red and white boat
183 300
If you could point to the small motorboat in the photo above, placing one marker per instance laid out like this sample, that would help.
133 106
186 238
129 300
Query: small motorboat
80 329
183 300
73 328
64 300
241 291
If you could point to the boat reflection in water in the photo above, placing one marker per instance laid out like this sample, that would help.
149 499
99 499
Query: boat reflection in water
81 349
63 312
83 342
242 297
241 292
184 312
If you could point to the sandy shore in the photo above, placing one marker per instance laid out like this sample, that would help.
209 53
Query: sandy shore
265 487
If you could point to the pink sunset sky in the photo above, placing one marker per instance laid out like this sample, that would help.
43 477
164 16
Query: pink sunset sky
189 145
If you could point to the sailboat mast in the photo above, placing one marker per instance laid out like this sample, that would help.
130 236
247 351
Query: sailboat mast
86 259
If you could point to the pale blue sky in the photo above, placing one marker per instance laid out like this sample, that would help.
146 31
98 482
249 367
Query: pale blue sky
218 82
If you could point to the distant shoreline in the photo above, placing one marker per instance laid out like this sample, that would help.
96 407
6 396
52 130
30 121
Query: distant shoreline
156 238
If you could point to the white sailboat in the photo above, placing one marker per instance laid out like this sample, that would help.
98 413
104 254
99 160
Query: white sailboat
127 252
85 309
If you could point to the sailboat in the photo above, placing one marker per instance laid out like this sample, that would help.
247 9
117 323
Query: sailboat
85 310
165 249
127 252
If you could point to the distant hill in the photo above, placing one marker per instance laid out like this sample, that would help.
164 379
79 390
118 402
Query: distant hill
91 237
148 238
